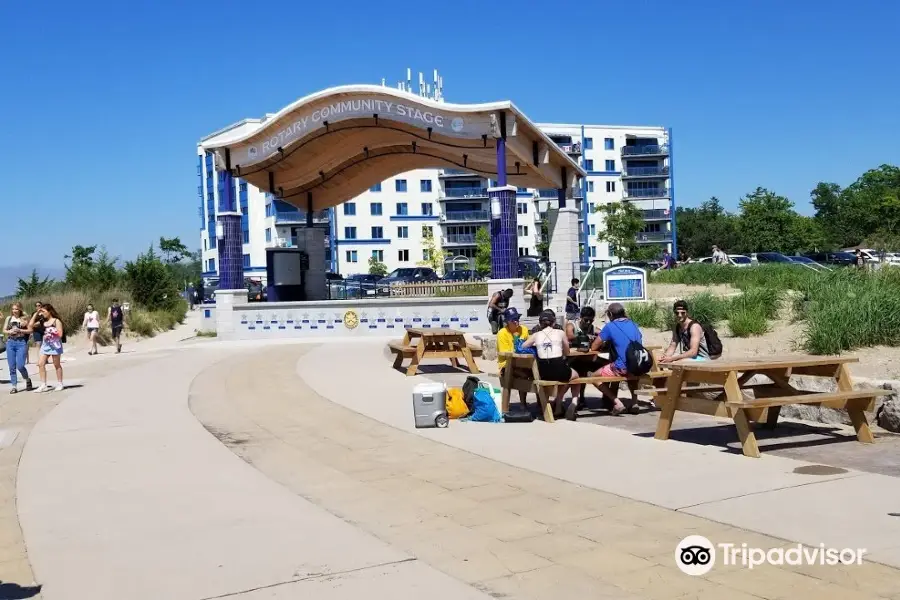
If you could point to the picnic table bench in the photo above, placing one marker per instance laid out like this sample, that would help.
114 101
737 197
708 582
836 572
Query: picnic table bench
422 343
723 383
521 374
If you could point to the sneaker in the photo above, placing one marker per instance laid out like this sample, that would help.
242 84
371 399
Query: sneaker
28 385
42 388
572 411
58 388
13 390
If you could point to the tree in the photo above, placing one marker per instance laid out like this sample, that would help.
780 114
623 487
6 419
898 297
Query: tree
187 271
622 223
376 267
543 246
172 249
699 229
766 222
433 258
33 286
869 204
80 270
151 282
483 250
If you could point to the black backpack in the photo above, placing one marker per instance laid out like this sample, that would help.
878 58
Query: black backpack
713 343
638 360
468 390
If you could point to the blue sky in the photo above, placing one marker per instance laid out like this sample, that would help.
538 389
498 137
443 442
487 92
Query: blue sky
104 102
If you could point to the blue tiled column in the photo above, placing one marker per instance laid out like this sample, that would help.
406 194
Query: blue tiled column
231 260
504 238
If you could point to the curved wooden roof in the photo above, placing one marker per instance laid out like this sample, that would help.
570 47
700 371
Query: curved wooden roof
339 142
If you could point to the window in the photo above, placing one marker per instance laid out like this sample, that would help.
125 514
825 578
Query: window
246 261
375 209
588 165
426 254
609 144
593 251
375 188
521 190
523 251
350 208
427 231
523 230
610 186
427 209
402 208
270 209
403 232
610 165
378 255
268 234
204 245
425 185
400 185
403 255
591 208
211 265
352 256
377 233
588 143
349 233
593 230
522 208
590 186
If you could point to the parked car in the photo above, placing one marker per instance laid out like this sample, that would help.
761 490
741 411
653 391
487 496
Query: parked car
737 260
869 254
770 257
406 275
256 291
461 275
892 258
808 262
366 282
529 267
836 259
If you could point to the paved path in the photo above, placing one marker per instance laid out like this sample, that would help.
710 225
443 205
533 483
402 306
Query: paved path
511 532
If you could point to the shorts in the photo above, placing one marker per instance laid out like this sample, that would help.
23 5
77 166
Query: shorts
554 369
587 365
91 330
611 370
37 336
51 349
117 330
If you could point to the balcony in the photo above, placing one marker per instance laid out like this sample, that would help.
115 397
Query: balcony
572 149
648 150
659 214
465 192
648 193
457 173
459 239
645 172
298 217
654 236
465 215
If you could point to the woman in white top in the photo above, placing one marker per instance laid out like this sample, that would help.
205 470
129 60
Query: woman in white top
92 324
552 347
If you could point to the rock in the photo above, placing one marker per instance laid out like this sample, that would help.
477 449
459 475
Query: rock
888 414
488 346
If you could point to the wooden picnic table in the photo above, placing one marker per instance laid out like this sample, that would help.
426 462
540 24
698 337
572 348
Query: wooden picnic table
723 384
422 343
521 374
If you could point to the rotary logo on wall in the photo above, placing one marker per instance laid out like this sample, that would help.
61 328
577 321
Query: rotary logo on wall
351 320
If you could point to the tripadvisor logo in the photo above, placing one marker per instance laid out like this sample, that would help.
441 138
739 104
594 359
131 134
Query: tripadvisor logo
695 555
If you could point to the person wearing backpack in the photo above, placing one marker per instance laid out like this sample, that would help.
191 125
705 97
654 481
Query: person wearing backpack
690 339
628 357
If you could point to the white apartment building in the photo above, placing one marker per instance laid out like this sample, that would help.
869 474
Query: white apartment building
391 220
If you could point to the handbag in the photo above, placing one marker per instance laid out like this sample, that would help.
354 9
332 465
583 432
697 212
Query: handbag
484 410
517 346
456 406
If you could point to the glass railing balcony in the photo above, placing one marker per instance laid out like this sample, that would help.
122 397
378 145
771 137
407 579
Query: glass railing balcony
647 150
645 172
465 215
299 216
654 236
573 148
646 193
656 214
460 238
453 172
465 192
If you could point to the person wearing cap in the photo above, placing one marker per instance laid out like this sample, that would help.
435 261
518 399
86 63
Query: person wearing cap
552 348
498 303
688 338
506 342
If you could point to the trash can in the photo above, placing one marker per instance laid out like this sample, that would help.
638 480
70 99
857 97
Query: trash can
430 405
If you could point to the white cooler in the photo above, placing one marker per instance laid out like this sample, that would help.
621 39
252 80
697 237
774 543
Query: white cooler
430 405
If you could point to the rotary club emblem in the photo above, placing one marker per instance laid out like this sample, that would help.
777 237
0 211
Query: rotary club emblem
351 321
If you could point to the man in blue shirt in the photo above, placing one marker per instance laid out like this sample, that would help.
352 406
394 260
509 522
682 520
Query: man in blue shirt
615 336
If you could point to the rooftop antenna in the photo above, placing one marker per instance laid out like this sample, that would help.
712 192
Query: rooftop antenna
408 79
422 89
382 82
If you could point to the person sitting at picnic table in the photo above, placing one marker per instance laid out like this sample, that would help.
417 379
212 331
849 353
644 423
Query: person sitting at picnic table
552 348
498 303
581 334
506 342
688 339
615 336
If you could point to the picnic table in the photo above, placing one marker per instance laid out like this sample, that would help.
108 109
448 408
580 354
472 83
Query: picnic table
422 343
723 383
521 374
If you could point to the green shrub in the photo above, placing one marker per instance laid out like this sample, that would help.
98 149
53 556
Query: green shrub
746 322
464 290
763 300
141 322
151 283
644 314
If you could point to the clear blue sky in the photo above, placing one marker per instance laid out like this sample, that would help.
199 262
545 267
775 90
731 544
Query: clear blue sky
103 101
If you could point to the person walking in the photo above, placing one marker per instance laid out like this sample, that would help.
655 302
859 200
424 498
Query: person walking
572 307
115 316
17 333
719 257
36 326
91 323
51 347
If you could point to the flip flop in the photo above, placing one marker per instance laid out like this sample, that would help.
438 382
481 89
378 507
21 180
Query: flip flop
618 410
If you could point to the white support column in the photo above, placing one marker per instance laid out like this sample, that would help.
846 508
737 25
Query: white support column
225 301
563 230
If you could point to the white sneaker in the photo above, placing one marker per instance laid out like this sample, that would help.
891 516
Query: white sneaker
58 388
41 388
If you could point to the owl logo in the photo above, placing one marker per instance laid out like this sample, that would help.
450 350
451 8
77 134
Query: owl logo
252 152
351 320
457 124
